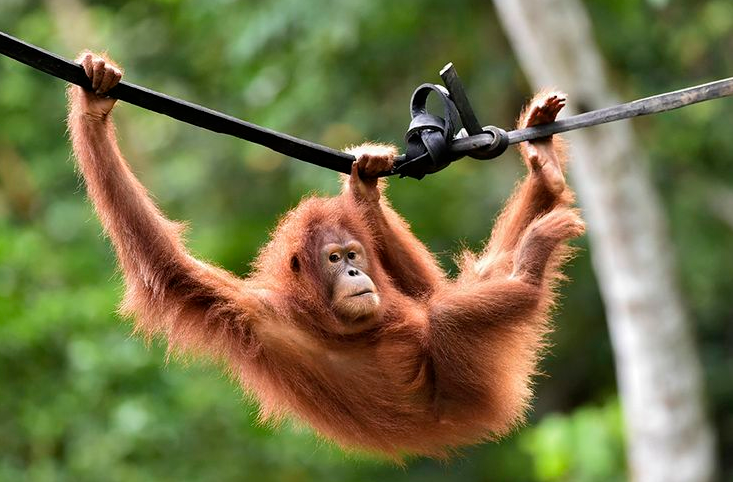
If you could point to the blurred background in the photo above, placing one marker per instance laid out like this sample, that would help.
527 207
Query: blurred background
80 400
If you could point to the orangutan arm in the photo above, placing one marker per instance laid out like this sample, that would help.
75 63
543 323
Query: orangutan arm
405 258
542 190
195 305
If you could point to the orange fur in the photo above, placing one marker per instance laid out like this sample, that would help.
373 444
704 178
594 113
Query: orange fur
446 363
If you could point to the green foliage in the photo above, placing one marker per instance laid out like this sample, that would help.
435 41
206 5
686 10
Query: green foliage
80 400
586 445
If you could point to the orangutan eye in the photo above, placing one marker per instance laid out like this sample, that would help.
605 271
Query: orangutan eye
334 258
351 255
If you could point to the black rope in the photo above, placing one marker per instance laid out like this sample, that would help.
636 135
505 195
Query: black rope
179 109
433 142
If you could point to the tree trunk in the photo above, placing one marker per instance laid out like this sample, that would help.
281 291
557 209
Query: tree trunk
658 370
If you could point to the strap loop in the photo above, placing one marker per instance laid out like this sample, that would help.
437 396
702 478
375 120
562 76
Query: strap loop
429 137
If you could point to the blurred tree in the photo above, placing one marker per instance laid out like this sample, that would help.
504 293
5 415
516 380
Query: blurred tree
659 373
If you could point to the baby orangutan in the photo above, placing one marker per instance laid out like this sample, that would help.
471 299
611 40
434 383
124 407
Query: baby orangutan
347 322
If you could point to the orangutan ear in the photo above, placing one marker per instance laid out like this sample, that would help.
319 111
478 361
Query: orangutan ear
295 264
